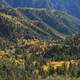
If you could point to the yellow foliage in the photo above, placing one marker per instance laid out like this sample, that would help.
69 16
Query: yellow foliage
36 71
45 67
17 61
59 64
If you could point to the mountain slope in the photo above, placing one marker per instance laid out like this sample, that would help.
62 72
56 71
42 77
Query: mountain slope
70 6
13 27
10 27
58 22
43 24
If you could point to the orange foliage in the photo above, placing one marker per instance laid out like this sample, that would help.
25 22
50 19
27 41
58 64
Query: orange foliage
3 53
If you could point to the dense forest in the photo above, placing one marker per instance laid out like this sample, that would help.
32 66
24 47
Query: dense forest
39 44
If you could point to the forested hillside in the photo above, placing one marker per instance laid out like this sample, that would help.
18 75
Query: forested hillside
39 40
